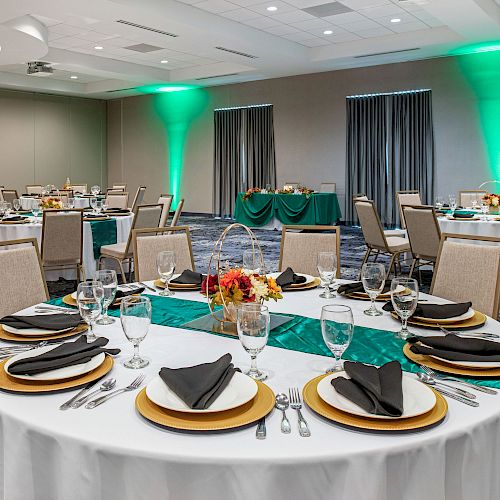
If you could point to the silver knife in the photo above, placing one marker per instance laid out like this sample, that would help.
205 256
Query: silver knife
457 397
147 286
67 404
261 429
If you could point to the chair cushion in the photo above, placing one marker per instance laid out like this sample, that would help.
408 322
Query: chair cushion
395 232
115 250
397 244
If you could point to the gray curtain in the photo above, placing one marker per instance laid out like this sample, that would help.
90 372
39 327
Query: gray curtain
227 160
259 147
390 148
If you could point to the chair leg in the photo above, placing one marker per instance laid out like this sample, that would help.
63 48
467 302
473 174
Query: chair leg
376 256
412 268
391 264
365 260
122 271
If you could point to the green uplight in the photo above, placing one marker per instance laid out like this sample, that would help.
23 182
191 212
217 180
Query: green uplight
173 88
153 89
476 48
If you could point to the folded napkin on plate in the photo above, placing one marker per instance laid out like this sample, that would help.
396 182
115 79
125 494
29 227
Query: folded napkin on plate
45 321
455 348
288 277
189 277
200 385
357 287
92 216
117 210
376 390
461 215
67 354
14 218
128 290
436 311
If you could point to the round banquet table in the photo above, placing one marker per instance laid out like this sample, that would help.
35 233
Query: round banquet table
32 230
80 201
112 453
489 227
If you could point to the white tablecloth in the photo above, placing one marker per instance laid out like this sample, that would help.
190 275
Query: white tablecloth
488 227
21 231
79 202
112 453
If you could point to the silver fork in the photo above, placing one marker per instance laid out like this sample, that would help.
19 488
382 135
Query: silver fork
132 387
477 335
438 376
296 404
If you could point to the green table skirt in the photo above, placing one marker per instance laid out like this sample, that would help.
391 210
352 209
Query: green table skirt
314 209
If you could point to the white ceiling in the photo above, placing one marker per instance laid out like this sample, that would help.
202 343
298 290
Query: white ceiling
287 41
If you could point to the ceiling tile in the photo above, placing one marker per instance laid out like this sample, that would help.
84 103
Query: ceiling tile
297 37
65 29
405 27
240 14
367 24
94 36
382 11
347 18
190 2
262 22
67 42
301 4
48 21
120 42
341 37
363 4
261 8
55 36
375 32
216 6
312 24
431 21
405 18
246 3
281 30
294 16
314 42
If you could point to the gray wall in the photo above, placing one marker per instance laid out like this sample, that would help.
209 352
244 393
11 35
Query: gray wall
45 138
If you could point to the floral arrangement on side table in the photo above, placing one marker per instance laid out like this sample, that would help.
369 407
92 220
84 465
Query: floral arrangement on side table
51 202
292 190
492 200
250 192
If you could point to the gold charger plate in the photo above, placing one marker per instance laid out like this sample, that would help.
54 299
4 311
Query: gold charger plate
364 296
250 412
9 222
420 422
27 386
115 214
177 286
308 286
70 301
444 367
11 337
479 319
90 219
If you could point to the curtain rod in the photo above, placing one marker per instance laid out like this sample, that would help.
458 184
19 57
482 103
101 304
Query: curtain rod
388 93
243 107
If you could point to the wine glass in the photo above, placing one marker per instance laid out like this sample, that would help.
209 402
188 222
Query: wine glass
16 204
404 297
327 269
109 282
439 202
165 262
98 206
373 279
71 203
453 202
474 203
337 328
135 318
89 295
93 204
95 190
7 208
253 324
251 261
36 209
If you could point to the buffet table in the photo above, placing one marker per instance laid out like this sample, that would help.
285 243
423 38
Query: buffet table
270 210
112 453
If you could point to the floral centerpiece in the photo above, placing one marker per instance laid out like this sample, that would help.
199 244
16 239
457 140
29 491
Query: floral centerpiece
51 202
237 286
493 201
292 190
250 192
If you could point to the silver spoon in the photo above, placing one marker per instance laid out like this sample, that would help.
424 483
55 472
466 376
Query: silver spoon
432 381
107 385
282 404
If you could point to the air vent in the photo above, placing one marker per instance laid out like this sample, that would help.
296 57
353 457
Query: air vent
327 9
243 54
143 47
386 53
147 28
216 76
120 90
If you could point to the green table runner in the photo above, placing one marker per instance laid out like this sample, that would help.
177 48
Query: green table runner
103 233
302 334
314 209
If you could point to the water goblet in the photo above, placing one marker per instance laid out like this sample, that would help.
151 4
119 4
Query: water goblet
327 269
89 295
439 202
7 208
93 204
36 209
95 190
98 206
485 208
253 324
109 282
135 316
404 298
16 204
453 201
251 261
337 328
165 262
71 203
373 279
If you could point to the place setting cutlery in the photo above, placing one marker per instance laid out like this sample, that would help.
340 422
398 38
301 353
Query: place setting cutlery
107 385
296 404
134 385
448 390
478 335
282 403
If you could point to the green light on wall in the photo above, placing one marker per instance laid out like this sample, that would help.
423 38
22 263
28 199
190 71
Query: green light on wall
476 48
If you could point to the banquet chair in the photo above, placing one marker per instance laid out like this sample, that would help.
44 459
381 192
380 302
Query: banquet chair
328 187
120 187
79 188
147 216
138 198
34 189
300 246
117 200
407 198
9 195
375 239
177 213
147 246
68 193
166 201
468 269
424 235
465 198
22 280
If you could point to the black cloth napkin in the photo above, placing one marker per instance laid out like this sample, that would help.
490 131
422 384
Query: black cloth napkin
377 390
455 348
124 210
288 277
188 277
14 218
358 287
45 322
436 311
200 385
67 354
129 290
93 216
459 215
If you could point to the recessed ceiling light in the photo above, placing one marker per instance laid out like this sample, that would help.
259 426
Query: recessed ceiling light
98 47
164 61
272 9
73 77
395 20
328 32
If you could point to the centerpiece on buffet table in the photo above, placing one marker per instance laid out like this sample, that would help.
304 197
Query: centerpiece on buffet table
287 189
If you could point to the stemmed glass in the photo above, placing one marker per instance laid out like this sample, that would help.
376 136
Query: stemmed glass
36 209
373 279
439 202
251 261
484 210
109 282
71 203
8 208
95 190
89 295
165 262
453 202
337 328
327 269
404 297
16 204
136 319
253 323
93 205
98 206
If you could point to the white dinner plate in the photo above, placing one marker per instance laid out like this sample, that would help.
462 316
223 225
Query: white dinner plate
417 398
37 332
456 319
476 365
59 373
240 390
309 279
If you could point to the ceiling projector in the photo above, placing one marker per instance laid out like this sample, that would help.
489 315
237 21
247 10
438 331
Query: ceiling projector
39 68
